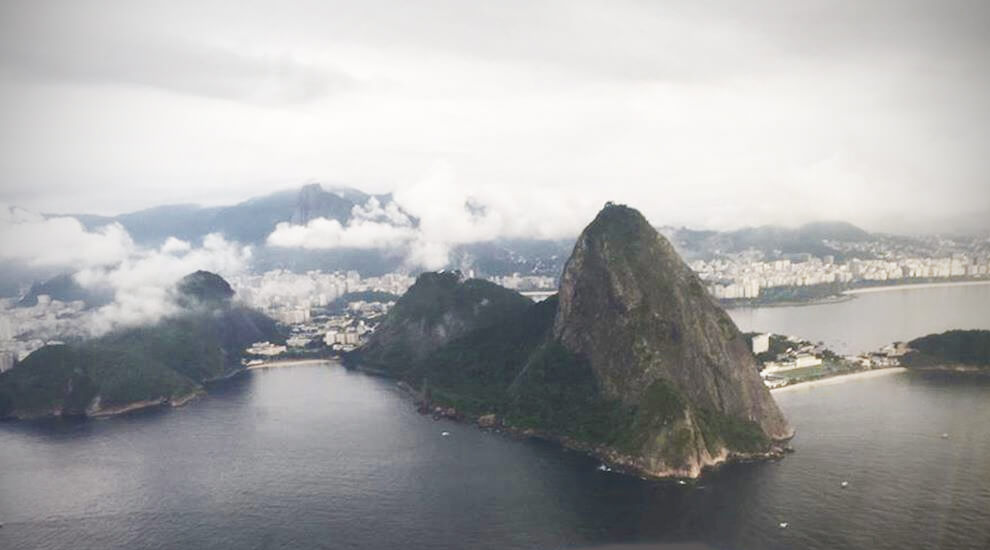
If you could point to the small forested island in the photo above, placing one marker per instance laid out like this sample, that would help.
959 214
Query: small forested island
164 363
633 361
955 350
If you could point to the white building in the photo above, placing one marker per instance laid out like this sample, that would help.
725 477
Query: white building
761 343
266 349
6 360
807 361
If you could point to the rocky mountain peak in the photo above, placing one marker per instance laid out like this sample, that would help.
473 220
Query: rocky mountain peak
640 316
315 202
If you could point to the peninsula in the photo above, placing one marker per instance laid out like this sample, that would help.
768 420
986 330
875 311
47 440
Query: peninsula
953 350
162 364
633 362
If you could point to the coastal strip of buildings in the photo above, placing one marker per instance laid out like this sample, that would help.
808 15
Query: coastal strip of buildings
740 276
785 360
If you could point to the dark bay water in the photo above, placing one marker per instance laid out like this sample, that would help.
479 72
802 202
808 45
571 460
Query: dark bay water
872 320
319 457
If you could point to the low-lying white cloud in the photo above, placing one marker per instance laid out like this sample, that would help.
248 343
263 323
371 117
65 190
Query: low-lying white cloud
32 239
107 259
142 282
173 245
324 233
430 217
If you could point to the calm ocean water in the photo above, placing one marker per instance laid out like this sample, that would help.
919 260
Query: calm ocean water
319 457
873 320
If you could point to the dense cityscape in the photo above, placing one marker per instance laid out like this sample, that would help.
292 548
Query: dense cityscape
745 276
335 311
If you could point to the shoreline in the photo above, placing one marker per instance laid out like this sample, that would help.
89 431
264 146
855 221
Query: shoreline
849 294
913 286
831 380
833 299
615 460
282 363
171 402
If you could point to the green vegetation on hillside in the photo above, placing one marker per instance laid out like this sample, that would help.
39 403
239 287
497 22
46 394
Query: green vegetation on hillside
517 371
965 347
630 355
164 361
205 288
438 294
69 378
735 433
438 308
557 392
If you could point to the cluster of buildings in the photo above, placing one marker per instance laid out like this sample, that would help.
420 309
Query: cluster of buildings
25 329
887 356
798 353
525 282
741 276
799 359
324 311
291 298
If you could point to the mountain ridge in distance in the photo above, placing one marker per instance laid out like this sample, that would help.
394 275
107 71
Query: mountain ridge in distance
249 221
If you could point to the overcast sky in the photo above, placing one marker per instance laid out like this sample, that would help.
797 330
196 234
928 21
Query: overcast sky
711 116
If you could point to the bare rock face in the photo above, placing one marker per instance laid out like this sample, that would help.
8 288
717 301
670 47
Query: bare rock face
657 341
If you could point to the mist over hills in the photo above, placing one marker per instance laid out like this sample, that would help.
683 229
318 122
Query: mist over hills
248 222
165 362
809 238
338 228
64 288
253 221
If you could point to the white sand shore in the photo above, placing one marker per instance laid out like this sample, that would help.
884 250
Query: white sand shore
913 286
280 363
840 379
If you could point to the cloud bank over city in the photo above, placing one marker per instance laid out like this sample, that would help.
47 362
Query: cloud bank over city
425 221
700 115
106 260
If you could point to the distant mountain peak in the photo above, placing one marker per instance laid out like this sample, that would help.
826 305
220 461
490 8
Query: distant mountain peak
63 287
204 287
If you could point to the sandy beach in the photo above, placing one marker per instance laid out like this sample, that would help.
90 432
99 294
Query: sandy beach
291 363
914 286
840 379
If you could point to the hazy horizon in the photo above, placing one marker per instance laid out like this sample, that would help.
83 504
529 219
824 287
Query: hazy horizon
331 187
701 116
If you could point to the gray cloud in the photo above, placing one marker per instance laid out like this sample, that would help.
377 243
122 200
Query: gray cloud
61 48
697 113
106 259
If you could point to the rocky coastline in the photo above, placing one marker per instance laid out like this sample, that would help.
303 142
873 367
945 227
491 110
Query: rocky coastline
614 460
97 410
